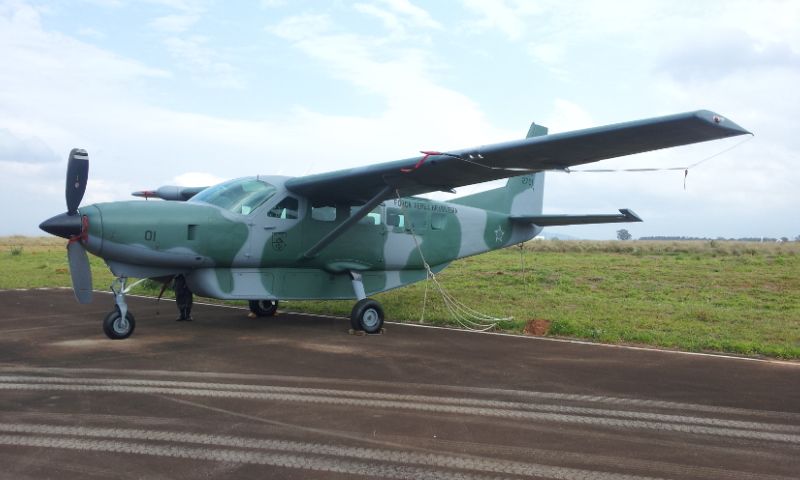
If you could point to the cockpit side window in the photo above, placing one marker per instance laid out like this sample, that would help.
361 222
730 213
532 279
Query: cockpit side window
285 209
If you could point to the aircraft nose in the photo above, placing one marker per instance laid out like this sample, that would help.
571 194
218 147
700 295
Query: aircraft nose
64 225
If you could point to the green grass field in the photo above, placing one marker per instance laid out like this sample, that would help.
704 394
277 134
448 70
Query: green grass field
740 298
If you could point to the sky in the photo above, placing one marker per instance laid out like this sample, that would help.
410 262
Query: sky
193 92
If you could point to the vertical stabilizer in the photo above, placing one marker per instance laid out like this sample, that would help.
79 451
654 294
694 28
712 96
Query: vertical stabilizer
536 131
522 195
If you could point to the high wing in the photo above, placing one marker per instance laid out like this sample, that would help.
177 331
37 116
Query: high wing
445 171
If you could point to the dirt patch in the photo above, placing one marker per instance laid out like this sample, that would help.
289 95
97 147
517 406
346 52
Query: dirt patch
128 344
95 344
326 348
537 327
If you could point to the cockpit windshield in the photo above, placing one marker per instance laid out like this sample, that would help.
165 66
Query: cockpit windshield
241 196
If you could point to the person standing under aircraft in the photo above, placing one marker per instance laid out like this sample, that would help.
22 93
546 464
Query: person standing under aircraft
183 299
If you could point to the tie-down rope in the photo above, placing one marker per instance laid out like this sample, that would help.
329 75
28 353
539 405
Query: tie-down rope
638 170
467 317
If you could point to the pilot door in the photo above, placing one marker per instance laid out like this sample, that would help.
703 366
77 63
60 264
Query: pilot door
277 236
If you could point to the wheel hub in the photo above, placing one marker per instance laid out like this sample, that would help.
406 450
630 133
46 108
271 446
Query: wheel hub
121 325
370 317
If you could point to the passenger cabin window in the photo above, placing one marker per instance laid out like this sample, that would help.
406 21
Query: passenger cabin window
285 209
394 218
418 220
324 214
242 195
372 218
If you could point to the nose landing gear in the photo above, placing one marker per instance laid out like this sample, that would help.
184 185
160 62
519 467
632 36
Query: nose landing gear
120 323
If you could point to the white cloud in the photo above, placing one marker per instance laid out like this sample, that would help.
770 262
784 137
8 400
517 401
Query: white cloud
272 3
46 74
497 14
568 116
90 32
417 106
419 16
298 27
548 53
196 179
193 53
177 23
24 150
399 15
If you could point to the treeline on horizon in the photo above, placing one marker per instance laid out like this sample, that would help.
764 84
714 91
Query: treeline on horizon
706 239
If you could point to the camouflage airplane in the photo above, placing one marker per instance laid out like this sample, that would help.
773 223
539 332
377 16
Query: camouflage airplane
344 234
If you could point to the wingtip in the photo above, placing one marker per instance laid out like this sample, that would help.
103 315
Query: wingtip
630 215
722 122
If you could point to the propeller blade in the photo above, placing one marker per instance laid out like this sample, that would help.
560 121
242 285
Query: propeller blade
77 175
80 272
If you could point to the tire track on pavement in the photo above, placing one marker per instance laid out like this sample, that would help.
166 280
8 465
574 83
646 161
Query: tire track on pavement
525 394
495 404
763 434
288 454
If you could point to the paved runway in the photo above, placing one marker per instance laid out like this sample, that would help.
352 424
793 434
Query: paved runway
297 397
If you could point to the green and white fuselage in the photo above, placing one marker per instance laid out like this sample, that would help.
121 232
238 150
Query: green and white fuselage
252 246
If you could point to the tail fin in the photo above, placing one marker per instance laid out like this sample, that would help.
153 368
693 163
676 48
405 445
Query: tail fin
522 195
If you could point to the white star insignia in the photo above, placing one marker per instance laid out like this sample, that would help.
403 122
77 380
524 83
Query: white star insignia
498 234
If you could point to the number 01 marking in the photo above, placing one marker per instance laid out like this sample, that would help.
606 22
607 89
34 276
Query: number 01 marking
150 235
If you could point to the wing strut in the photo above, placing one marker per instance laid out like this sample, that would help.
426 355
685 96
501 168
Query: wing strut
355 217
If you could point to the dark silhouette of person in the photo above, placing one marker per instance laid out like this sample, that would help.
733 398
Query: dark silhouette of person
183 299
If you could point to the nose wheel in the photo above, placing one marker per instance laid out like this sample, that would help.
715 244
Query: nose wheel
117 327
119 323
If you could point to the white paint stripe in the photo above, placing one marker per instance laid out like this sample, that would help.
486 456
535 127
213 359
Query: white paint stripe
389 404
461 462
423 399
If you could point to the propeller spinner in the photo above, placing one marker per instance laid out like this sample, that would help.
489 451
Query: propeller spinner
72 226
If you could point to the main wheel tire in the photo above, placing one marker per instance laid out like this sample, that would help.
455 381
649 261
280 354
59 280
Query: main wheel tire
118 328
367 315
263 308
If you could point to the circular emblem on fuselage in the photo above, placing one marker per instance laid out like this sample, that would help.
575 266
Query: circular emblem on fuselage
278 241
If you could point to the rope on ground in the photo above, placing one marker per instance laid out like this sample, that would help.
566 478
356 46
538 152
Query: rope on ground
467 317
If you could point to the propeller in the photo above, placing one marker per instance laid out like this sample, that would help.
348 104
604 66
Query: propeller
77 175
74 227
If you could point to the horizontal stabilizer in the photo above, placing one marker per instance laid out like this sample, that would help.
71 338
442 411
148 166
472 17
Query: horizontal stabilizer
623 216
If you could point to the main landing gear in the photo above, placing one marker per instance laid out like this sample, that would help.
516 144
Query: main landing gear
263 308
367 314
119 323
